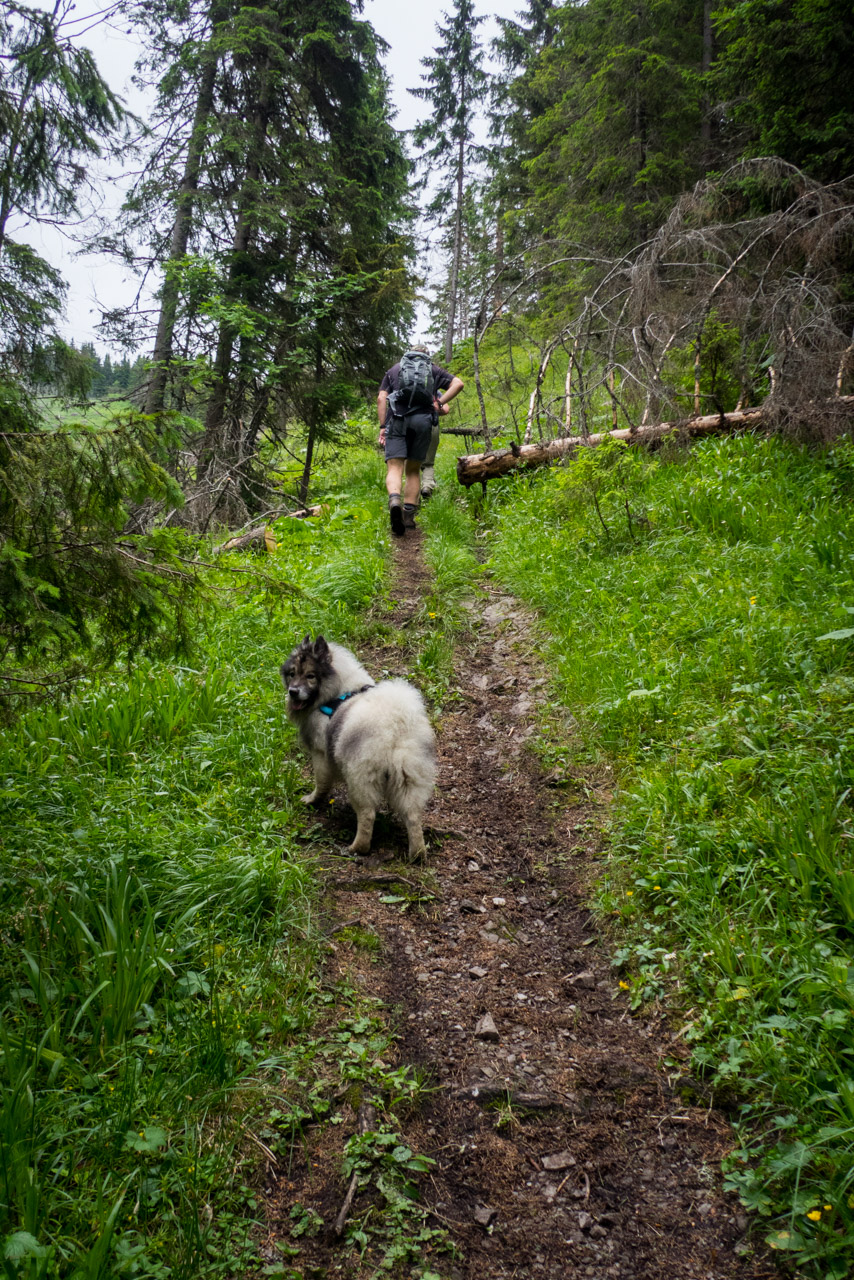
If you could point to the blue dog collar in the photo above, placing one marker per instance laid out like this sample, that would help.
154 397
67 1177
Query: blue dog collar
329 708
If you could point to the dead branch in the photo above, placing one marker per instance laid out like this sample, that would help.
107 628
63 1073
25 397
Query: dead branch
366 1122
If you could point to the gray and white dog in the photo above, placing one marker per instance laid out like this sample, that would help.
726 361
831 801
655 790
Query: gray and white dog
376 738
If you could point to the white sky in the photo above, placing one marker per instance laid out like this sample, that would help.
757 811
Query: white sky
99 283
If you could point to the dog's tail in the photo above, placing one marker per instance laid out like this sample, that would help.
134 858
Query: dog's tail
404 772
411 777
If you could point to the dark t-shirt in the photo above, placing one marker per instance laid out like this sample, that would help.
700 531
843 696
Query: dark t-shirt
441 378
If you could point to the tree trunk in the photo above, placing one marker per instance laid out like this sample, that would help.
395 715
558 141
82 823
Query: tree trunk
477 468
162 354
499 260
212 442
708 54
302 491
259 539
455 264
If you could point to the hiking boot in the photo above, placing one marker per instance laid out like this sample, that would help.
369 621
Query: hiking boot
398 526
408 519
426 495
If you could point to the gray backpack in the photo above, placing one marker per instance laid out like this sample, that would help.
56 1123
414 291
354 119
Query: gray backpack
415 385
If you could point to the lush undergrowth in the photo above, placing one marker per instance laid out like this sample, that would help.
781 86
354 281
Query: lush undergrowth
163 1015
701 611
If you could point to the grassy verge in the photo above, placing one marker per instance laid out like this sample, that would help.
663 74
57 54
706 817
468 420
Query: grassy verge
701 611
163 1020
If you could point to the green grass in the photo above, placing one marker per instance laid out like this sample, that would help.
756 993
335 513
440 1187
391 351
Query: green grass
161 999
690 641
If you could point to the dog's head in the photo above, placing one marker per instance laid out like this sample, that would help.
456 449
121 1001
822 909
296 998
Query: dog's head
304 672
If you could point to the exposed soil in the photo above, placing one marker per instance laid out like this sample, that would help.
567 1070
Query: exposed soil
568 1141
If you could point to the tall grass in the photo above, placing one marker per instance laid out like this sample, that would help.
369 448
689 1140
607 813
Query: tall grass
159 941
703 636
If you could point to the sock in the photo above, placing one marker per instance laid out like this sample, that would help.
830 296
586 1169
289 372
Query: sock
394 500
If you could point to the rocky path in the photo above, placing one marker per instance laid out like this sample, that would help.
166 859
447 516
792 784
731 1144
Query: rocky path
569 1140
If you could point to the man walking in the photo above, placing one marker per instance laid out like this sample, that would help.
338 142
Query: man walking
412 396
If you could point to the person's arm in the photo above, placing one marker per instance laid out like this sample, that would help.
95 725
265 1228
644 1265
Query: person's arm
382 414
453 390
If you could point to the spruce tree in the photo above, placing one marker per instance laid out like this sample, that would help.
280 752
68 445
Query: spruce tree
617 132
56 113
786 76
279 214
454 85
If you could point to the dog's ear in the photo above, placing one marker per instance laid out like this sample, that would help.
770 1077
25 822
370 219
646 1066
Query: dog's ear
307 642
321 648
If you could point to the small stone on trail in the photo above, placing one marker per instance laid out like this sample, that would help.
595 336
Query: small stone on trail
484 1213
499 902
587 979
477 971
486 1028
473 866
422 977
560 1160
585 1221
473 908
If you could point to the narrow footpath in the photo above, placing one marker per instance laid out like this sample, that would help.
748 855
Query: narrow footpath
569 1138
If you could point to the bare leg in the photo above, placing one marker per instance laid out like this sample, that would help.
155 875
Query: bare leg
364 829
324 776
412 491
394 475
428 473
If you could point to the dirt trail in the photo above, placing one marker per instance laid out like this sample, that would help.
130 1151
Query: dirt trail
568 1143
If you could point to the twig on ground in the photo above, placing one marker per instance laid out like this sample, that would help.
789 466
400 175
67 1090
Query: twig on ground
347 924
367 1121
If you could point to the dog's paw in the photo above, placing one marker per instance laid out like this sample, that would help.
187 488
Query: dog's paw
314 797
417 855
359 846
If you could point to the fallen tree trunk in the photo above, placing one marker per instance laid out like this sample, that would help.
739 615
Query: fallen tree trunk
477 468
260 539
474 468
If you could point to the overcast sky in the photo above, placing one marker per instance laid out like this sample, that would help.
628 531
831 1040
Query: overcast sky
97 284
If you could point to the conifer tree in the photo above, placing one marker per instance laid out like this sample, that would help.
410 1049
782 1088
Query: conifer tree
279 212
786 75
618 130
198 75
454 85
56 112
516 98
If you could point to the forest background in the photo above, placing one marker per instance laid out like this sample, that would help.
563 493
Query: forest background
637 213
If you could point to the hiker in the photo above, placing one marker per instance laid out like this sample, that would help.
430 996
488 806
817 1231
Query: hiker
413 395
